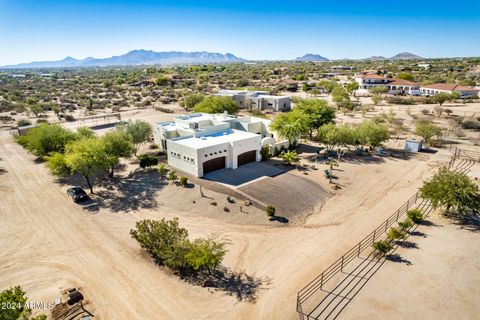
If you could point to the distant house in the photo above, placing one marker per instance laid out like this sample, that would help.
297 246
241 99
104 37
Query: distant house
433 89
259 100
394 86
200 143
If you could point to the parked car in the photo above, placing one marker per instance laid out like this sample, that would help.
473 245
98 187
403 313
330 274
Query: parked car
77 194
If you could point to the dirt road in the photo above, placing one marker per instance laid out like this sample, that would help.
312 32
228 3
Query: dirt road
48 243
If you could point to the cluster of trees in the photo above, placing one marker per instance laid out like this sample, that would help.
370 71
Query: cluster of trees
303 120
169 245
14 305
454 191
216 104
368 133
82 152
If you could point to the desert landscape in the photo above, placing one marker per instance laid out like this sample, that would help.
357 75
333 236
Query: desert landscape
68 245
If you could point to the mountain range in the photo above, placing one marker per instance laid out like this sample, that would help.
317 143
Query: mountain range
136 57
311 57
399 56
149 57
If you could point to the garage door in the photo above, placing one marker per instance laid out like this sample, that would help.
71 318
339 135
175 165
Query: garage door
213 164
246 157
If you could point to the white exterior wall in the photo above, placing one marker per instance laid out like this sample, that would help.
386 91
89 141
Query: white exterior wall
179 161
220 150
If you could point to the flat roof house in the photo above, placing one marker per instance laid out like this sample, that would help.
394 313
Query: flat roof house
433 89
201 143
394 86
259 100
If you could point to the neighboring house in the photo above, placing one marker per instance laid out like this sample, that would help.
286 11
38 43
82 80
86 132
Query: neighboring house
433 89
394 86
200 143
259 100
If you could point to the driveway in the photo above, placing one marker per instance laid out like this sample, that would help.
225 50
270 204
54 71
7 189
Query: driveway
243 174
292 195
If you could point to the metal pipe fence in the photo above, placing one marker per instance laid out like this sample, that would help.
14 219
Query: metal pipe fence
461 160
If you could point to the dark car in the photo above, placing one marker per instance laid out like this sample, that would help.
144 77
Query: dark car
77 194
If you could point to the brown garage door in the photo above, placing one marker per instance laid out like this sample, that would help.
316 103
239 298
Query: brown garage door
246 157
213 164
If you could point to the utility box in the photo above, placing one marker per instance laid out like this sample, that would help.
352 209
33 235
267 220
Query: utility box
413 145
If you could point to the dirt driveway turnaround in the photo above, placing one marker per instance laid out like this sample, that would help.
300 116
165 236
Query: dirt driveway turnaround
293 196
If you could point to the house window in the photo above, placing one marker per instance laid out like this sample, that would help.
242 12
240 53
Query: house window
224 150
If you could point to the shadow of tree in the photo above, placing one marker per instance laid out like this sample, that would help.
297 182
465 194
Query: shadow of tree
398 259
239 284
407 244
135 191
2 171
470 221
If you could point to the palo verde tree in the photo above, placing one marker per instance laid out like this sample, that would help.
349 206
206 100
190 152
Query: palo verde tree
139 132
314 113
371 134
85 157
289 125
117 144
169 245
46 139
216 104
452 190
427 130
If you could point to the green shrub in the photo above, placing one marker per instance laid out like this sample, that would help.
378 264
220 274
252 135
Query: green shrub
169 245
415 215
395 234
405 225
69 118
270 211
23 122
162 169
183 181
147 160
172 175
265 152
382 247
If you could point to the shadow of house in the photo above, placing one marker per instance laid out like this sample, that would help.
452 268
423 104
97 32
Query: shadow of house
239 284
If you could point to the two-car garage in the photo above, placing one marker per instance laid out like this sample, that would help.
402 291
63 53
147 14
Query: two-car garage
247 157
220 162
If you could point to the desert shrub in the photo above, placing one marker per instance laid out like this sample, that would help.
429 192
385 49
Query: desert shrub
405 224
448 111
270 210
395 234
169 245
147 160
424 111
415 215
153 146
382 247
265 152
165 110
471 124
400 100
289 157
183 181
69 118
162 169
23 122
172 175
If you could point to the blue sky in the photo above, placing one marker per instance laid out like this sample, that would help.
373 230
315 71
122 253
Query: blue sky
51 30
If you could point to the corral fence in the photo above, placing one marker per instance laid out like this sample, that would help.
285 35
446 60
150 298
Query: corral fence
461 160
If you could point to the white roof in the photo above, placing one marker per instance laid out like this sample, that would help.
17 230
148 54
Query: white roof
215 138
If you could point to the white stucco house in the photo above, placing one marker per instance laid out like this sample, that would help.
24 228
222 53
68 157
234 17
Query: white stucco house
394 86
259 100
433 89
201 143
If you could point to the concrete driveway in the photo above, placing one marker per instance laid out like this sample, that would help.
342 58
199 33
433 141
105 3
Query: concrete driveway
243 174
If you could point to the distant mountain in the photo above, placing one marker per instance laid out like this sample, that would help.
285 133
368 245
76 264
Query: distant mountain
136 57
405 56
311 57
376 58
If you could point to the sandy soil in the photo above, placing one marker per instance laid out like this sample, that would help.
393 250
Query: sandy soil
439 279
49 243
